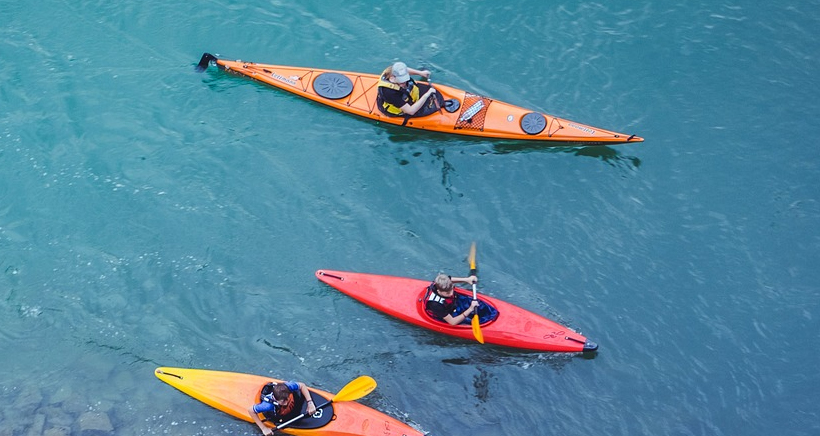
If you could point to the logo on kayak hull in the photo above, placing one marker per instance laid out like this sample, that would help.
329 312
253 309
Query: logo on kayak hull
290 81
582 128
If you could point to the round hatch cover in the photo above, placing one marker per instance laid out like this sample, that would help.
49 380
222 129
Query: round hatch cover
332 85
533 123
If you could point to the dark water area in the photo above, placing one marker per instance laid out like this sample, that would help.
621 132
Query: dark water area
154 216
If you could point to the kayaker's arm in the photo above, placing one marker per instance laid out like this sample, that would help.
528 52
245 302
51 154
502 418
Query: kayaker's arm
422 73
412 109
470 280
265 430
458 319
311 406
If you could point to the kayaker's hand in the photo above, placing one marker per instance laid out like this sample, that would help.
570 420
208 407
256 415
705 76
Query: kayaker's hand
425 74
267 432
311 408
472 308
472 279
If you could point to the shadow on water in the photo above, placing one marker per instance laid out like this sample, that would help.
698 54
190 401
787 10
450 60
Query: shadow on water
500 356
495 355
605 153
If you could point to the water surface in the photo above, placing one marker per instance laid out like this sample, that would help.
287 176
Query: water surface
152 216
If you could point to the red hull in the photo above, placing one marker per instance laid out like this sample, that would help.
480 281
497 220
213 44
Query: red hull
403 298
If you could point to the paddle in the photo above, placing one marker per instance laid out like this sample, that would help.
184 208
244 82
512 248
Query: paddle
476 322
352 391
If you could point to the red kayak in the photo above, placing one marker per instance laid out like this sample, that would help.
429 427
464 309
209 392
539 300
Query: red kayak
404 298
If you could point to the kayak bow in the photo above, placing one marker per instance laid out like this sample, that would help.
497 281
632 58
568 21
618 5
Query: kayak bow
403 298
234 393
464 113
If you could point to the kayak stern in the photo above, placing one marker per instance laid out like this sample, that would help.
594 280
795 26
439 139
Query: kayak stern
590 346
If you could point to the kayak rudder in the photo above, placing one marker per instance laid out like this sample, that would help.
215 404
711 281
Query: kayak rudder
204 61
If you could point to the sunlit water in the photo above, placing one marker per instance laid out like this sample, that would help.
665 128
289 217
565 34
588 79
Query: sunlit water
152 216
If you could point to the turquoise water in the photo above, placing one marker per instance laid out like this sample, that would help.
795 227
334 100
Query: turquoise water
152 216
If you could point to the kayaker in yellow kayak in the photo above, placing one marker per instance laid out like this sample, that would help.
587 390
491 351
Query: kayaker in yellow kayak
280 402
400 95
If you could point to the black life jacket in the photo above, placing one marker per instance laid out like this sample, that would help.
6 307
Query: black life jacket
449 303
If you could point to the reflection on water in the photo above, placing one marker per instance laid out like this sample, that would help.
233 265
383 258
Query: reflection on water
608 155
605 153
501 356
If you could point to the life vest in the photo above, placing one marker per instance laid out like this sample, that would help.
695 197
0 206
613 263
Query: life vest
409 94
278 411
287 410
449 303
455 305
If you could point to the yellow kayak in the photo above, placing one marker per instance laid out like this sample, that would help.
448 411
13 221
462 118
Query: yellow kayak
234 393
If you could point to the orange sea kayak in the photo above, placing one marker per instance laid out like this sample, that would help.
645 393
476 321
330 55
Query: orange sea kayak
464 113
234 393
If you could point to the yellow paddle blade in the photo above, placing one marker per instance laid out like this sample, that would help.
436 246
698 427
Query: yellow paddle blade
356 389
476 323
472 257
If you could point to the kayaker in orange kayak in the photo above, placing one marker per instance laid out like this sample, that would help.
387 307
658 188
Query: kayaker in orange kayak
400 95
447 110
280 402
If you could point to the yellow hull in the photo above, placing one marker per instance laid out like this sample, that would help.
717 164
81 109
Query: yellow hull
234 393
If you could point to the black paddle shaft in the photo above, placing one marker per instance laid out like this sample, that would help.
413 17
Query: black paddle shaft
287 423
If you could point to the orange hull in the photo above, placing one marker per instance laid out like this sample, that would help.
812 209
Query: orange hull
234 393
477 115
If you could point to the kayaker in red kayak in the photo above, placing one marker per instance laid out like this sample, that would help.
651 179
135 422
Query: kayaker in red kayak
281 402
443 303
399 95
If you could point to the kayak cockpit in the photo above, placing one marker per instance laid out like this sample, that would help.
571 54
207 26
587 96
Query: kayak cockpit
320 418
488 313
